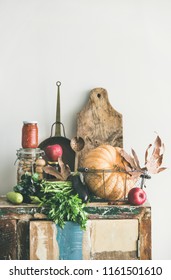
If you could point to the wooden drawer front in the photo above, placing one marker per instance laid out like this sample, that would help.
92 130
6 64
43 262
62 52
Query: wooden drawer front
111 239
102 240
43 244
8 240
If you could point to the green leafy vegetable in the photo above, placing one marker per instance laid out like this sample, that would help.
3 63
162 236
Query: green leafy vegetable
64 205
58 197
29 185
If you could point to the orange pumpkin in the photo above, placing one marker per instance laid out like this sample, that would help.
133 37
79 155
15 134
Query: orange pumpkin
109 185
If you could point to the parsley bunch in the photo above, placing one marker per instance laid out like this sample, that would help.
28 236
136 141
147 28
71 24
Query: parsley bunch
62 203
58 197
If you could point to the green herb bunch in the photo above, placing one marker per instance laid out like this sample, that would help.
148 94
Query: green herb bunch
63 204
58 197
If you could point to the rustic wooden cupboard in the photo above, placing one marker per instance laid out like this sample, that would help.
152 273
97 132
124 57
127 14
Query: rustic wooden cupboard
113 232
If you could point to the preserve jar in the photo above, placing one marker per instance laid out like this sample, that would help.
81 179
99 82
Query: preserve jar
27 162
29 135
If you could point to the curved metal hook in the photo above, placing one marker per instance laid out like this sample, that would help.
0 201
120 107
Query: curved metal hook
62 127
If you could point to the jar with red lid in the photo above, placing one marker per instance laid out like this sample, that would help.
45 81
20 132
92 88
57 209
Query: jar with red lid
29 135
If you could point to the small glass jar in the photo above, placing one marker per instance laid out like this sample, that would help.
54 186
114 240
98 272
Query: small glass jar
27 162
29 135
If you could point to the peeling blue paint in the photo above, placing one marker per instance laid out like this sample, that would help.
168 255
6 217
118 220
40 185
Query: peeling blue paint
70 241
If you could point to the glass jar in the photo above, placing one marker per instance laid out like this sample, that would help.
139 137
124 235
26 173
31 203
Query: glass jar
27 162
29 135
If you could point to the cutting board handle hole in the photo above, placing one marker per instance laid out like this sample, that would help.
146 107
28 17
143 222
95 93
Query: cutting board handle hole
98 95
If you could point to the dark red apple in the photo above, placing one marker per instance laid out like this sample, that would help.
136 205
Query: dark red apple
137 196
53 152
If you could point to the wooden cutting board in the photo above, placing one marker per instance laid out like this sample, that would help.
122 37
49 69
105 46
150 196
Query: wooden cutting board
98 123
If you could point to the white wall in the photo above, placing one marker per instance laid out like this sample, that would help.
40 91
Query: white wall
123 46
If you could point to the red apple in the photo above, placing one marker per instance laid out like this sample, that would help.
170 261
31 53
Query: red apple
137 196
53 152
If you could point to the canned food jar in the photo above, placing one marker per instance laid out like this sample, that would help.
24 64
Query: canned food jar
27 162
29 135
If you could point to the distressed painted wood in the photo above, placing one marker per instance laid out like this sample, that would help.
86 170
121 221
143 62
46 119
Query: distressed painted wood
8 244
43 244
23 239
120 211
110 240
31 235
20 212
102 240
145 235
70 240
98 122
113 239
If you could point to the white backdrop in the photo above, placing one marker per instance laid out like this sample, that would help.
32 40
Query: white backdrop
123 46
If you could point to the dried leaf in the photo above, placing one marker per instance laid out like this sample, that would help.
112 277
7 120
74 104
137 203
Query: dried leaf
52 171
153 162
136 160
62 175
157 146
160 159
128 159
161 169
65 169
146 153
132 164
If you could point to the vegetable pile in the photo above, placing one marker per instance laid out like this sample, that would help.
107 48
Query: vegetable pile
60 199
63 203
111 173
29 186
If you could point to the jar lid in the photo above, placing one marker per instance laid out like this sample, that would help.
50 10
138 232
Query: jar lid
30 152
27 122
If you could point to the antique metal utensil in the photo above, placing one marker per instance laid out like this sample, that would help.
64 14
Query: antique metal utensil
77 144
68 155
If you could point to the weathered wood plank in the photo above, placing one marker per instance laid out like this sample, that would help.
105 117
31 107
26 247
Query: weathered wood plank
14 231
23 240
70 241
8 240
23 211
114 211
43 244
111 239
98 122
116 255
145 235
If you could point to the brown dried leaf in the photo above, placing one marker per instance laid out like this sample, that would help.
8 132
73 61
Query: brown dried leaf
157 147
132 164
136 160
161 169
128 159
160 159
153 162
65 169
62 175
146 153
51 170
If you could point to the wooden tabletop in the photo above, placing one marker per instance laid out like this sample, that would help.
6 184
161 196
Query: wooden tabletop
95 210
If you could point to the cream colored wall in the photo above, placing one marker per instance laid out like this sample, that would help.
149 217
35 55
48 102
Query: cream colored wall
123 46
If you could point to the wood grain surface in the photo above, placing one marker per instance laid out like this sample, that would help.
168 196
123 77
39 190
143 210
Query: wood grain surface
43 244
8 244
98 123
